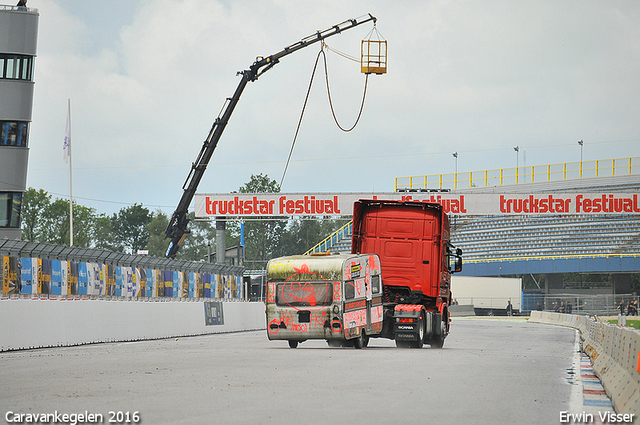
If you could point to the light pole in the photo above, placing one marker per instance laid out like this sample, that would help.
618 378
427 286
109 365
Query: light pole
517 149
455 176
581 143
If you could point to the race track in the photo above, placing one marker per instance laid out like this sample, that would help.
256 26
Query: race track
489 372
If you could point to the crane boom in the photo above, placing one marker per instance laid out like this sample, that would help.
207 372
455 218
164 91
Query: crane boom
177 228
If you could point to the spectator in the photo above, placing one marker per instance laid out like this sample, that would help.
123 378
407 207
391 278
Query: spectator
556 307
509 308
568 308
633 308
539 306
621 307
22 3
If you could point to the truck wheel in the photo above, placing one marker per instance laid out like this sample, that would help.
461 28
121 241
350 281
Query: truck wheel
293 343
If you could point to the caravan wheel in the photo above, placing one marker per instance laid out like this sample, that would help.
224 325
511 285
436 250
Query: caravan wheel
361 341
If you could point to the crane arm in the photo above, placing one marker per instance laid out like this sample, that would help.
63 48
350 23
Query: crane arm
177 228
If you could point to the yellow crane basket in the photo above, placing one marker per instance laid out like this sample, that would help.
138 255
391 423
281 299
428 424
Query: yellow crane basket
373 57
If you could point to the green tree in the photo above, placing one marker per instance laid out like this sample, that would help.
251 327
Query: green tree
103 234
261 235
84 225
56 222
157 243
34 203
195 246
44 220
129 228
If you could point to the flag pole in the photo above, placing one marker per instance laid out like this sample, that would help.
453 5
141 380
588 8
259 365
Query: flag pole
68 138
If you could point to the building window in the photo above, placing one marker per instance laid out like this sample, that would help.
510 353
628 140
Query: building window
14 133
16 67
10 208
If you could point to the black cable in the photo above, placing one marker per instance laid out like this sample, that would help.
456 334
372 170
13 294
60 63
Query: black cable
306 99
300 120
364 95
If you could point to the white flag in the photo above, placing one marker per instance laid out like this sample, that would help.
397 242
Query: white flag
66 147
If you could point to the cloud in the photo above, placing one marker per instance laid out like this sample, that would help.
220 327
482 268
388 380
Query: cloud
146 83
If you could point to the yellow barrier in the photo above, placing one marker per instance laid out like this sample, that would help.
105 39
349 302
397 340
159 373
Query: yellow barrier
517 175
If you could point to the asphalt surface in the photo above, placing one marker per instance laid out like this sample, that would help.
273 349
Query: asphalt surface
489 372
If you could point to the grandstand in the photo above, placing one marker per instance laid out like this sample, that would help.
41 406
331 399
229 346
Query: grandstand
514 237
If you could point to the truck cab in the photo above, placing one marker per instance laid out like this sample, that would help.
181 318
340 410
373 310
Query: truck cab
412 240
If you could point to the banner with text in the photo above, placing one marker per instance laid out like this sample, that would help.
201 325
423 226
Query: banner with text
341 204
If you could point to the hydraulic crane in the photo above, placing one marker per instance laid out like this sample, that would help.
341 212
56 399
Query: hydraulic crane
177 228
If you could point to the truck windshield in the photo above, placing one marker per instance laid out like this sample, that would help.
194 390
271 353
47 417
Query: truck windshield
304 294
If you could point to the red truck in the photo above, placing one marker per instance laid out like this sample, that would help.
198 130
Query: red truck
411 238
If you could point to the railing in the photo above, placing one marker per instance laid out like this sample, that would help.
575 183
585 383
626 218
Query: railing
332 239
598 304
548 257
516 175
581 304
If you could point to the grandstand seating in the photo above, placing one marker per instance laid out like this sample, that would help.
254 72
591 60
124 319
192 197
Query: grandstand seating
503 237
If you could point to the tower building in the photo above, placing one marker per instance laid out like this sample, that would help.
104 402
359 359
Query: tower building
18 40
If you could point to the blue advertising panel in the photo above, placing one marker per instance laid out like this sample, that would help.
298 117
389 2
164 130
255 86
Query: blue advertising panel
150 282
56 277
176 285
207 285
27 276
83 279
119 282
168 283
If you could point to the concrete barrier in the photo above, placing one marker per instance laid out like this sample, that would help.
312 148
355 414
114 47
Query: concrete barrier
614 353
34 323
461 310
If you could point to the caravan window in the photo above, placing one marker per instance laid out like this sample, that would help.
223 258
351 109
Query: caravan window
349 290
304 294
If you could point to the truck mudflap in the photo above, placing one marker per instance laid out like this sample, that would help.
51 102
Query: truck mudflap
412 325
436 338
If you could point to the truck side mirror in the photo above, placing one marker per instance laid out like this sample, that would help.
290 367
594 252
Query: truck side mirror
458 263
457 260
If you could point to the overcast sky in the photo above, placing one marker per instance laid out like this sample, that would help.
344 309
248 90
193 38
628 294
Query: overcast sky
147 78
